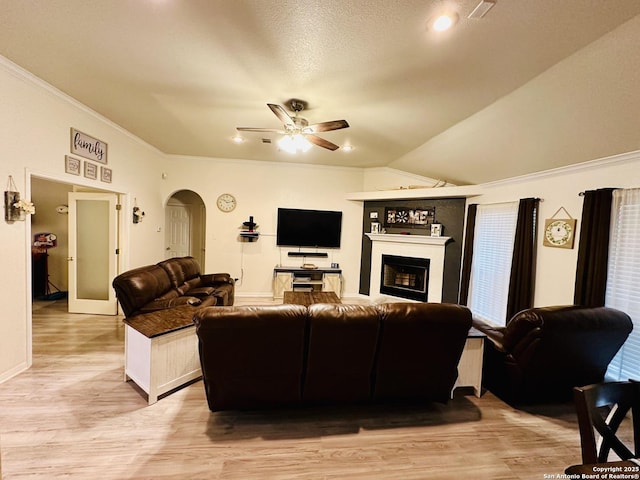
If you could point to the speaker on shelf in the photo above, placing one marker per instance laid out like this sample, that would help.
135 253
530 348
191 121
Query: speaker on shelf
308 254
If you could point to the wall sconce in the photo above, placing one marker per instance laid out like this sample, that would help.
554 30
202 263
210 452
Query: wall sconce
138 214
14 207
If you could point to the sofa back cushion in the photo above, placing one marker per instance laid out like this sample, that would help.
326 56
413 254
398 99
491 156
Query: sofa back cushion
135 288
565 346
418 351
252 357
341 351
184 273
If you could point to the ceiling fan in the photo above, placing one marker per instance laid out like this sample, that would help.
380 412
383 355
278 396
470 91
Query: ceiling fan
298 134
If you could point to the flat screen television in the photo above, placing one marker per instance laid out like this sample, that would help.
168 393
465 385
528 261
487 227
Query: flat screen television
308 228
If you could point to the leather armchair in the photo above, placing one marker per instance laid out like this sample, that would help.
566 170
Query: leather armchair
543 353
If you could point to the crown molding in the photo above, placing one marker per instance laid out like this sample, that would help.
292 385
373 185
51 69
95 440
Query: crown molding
621 158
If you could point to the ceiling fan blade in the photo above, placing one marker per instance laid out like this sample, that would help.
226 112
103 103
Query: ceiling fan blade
281 114
321 142
251 129
327 126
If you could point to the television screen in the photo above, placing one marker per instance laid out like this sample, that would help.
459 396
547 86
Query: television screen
308 228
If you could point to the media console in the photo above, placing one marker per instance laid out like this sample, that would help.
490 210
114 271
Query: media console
297 279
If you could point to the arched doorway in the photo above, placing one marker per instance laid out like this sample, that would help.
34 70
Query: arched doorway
185 226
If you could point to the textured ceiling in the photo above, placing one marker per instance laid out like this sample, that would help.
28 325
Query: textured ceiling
182 75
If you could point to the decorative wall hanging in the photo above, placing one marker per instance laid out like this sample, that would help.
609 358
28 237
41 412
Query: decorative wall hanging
88 147
14 207
72 165
405 217
559 232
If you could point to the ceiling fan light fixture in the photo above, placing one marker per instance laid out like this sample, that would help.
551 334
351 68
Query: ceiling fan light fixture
347 148
294 143
237 139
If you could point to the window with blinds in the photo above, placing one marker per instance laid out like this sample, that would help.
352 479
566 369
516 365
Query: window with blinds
623 278
491 264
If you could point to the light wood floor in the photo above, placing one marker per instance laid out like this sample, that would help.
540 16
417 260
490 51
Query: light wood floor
72 416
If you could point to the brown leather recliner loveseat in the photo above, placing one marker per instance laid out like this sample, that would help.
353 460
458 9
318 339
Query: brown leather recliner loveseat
171 283
289 355
543 353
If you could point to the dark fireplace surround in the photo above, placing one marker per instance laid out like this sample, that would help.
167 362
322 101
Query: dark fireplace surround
405 277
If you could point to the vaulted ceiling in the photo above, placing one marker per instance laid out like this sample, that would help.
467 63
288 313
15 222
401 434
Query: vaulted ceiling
182 75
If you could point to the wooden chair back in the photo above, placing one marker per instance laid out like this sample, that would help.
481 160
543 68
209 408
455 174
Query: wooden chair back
601 408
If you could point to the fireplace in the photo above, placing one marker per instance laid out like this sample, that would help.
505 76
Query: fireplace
405 277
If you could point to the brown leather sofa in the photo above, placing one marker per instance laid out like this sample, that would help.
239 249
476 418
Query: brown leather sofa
268 356
543 353
171 283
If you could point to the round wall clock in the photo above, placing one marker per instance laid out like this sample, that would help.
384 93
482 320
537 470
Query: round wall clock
226 202
559 233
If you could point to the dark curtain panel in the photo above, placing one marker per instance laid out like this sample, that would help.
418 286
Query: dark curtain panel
593 251
468 253
523 262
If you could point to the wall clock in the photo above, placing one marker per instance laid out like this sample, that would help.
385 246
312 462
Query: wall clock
559 232
226 202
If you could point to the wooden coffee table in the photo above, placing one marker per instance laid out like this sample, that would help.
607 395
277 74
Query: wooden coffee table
307 298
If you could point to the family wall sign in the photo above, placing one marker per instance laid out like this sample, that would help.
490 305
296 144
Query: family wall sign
88 147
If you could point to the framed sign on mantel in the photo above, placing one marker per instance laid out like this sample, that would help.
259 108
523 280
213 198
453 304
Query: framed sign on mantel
88 147
409 217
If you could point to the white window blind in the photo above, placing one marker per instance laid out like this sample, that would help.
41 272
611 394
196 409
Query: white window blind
623 278
491 263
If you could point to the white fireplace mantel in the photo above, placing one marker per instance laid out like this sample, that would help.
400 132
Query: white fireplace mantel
401 238
421 246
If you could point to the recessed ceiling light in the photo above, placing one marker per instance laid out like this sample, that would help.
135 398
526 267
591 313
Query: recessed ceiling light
443 21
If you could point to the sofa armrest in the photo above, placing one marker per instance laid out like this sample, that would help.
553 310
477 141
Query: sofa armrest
494 334
170 303
213 278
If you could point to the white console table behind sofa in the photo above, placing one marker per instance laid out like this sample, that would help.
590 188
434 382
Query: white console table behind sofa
161 351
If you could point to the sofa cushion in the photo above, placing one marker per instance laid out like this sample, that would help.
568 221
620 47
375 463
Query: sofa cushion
341 350
135 288
181 270
252 356
418 351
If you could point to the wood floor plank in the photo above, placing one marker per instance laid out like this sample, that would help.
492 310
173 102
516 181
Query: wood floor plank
72 416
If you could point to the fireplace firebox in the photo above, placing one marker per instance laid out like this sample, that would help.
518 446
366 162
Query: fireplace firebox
405 277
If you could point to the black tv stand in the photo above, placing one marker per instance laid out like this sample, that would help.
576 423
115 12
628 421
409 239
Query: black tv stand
308 254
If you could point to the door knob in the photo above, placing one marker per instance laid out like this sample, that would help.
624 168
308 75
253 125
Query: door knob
69 259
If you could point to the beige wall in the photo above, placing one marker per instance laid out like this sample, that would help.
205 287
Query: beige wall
555 273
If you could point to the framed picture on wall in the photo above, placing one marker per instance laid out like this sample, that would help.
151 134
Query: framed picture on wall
90 170
105 174
71 165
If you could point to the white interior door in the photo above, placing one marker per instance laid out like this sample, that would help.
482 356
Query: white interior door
92 252
178 231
